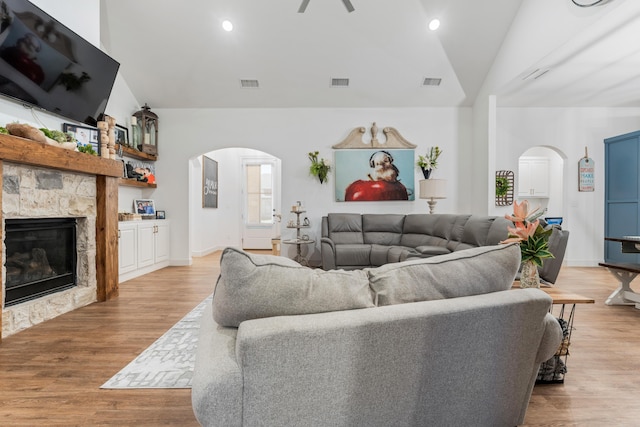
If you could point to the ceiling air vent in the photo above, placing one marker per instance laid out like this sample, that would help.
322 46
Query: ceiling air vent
431 81
249 84
339 82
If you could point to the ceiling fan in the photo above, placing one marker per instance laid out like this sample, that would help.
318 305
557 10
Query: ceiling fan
347 4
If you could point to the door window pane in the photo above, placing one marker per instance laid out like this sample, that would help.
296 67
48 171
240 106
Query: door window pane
260 194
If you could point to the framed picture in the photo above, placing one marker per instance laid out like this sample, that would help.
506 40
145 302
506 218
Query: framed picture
84 135
122 135
209 183
144 207
160 215
364 175
142 171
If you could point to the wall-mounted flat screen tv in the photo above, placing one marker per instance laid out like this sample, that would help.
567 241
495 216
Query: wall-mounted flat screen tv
45 64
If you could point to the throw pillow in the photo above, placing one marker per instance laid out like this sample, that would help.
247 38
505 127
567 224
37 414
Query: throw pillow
254 286
467 272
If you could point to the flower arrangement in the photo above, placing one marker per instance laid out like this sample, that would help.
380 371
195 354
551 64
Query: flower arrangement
533 238
319 167
429 161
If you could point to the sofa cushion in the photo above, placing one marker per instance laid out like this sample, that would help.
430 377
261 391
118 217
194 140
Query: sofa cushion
476 230
382 229
467 272
354 255
345 228
431 230
254 286
399 253
379 255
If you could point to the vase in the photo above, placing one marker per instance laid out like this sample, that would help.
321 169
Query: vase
529 277
426 173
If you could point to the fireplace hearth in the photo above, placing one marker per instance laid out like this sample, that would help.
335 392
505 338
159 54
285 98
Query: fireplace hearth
41 257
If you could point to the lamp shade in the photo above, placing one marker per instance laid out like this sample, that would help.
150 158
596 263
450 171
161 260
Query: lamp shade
433 189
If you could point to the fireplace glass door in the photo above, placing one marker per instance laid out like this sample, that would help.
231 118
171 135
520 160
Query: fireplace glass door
40 257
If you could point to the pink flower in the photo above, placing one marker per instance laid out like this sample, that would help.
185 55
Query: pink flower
522 231
520 212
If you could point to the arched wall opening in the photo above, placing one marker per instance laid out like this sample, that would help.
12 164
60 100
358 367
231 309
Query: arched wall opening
554 201
212 229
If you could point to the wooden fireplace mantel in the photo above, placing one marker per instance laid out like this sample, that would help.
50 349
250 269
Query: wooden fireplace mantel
107 172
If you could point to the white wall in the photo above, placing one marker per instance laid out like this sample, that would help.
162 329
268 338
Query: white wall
570 130
289 134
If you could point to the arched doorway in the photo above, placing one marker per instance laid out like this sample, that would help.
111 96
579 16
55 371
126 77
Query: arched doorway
541 179
234 221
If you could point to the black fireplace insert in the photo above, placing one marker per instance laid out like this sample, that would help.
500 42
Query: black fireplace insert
41 257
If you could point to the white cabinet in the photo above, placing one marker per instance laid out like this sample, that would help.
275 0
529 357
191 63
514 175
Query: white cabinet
143 247
533 177
146 243
127 250
162 242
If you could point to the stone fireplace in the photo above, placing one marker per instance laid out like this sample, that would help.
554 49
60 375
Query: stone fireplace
44 181
39 193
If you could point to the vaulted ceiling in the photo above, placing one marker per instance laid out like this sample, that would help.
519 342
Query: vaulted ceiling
176 55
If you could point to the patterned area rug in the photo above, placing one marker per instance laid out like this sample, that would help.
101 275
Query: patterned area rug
168 362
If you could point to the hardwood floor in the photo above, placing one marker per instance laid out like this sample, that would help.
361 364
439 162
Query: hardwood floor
50 374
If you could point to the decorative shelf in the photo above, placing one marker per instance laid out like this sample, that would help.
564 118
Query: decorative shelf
25 151
132 152
135 183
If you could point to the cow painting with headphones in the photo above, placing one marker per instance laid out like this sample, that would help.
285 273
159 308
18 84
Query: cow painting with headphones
383 182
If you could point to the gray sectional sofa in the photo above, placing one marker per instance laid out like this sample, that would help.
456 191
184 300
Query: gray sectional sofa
354 241
436 341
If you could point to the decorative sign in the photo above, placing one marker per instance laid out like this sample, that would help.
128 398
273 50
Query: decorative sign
586 173
209 183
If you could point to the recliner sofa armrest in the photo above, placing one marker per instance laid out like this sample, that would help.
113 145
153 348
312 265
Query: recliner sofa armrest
557 246
432 250
328 252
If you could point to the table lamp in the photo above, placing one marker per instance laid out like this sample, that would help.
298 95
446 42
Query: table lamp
432 189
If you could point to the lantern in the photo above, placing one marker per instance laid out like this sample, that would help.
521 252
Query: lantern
145 130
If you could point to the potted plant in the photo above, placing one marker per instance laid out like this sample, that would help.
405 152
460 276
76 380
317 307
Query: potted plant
319 168
502 186
429 162
533 239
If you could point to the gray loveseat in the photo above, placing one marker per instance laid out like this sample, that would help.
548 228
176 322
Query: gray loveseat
438 341
353 241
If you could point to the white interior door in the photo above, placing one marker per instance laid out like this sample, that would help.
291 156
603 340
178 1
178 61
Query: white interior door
260 197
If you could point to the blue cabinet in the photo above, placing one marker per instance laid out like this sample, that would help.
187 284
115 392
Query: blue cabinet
622 194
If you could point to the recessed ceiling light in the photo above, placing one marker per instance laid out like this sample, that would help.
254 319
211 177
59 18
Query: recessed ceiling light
434 24
227 25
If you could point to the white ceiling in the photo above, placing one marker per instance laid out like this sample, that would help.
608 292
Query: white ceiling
176 55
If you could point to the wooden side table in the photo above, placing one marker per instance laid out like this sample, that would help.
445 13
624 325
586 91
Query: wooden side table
566 303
